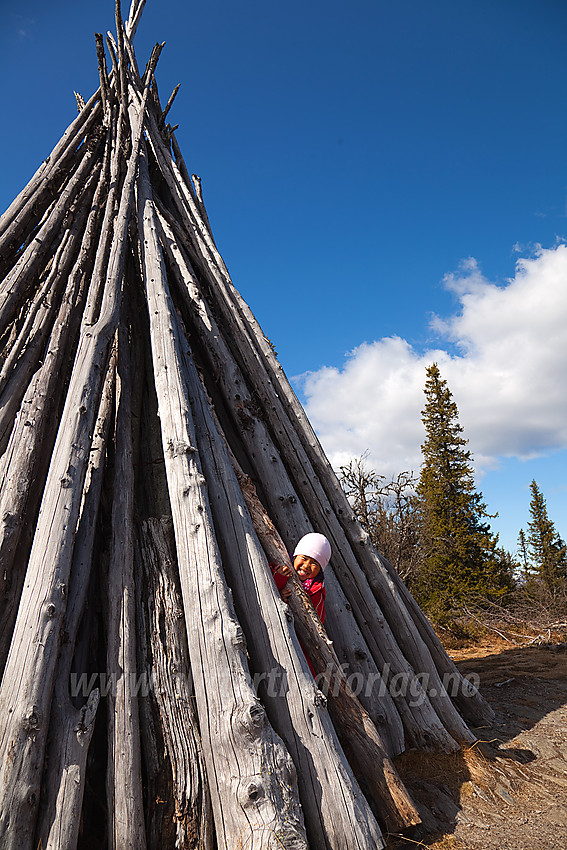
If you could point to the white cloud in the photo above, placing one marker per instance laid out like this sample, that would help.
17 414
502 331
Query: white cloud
508 377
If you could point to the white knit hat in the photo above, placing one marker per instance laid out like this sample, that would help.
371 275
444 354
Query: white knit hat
316 546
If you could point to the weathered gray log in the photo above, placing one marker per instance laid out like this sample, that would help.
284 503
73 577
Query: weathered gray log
257 354
27 685
24 465
136 9
124 770
356 728
170 676
284 504
29 347
17 283
421 722
422 645
42 186
71 729
250 773
114 154
238 313
121 83
331 820
103 74
470 702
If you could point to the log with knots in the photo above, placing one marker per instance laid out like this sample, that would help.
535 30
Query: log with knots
154 461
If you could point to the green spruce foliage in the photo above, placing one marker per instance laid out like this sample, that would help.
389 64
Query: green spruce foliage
547 551
461 561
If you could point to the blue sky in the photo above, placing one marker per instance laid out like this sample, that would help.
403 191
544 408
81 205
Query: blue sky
374 174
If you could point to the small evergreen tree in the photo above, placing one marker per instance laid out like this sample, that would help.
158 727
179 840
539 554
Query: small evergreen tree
461 560
546 548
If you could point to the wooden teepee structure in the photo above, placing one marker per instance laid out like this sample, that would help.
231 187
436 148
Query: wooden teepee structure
153 460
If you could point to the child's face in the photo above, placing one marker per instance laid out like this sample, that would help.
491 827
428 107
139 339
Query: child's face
306 567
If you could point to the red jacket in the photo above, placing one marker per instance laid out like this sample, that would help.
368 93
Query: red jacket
314 588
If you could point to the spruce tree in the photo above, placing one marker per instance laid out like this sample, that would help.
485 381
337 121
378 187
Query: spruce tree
461 560
546 548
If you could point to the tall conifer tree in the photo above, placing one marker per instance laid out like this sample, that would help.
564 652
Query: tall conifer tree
461 560
547 549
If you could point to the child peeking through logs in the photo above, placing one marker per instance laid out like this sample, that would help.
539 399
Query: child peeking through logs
311 556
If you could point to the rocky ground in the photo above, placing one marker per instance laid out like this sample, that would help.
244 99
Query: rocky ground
511 794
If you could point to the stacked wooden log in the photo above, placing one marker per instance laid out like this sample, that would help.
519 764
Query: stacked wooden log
153 459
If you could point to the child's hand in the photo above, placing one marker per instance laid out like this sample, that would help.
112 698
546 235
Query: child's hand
285 592
284 570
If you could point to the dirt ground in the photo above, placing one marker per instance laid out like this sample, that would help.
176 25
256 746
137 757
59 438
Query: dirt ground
510 794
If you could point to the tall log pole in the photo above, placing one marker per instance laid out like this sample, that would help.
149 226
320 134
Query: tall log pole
124 771
71 728
279 494
43 185
250 773
24 465
172 685
239 520
27 685
17 283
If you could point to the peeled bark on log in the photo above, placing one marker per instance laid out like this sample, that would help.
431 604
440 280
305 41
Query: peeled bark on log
71 729
333 819
172 684
250 773
27 685
280 496
124 770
